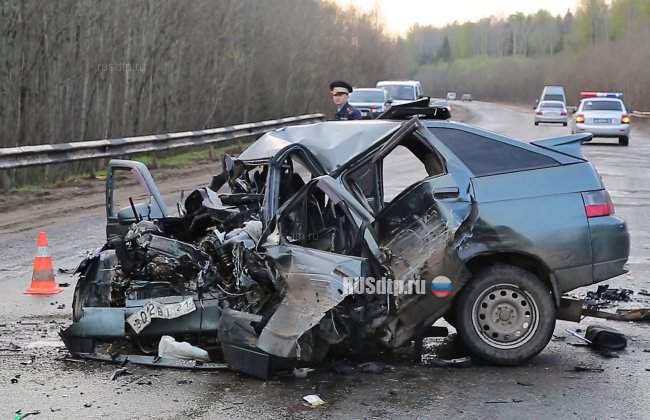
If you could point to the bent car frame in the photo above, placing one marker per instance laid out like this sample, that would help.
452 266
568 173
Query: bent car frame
260 267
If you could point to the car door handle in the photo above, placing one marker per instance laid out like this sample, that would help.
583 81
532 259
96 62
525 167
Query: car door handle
446 192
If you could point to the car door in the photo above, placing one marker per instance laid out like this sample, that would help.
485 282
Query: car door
422 227
128 201
317 267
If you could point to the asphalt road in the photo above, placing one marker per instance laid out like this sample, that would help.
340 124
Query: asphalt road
546 387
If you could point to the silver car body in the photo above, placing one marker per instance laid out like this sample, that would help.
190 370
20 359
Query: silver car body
551 112
602 117
371 102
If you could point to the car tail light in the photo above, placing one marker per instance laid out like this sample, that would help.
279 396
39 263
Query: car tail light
563 114
539 113
598 203
626 119
580 119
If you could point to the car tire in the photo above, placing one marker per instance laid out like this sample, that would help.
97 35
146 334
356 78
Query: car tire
624 141
521 315
564 124
536 123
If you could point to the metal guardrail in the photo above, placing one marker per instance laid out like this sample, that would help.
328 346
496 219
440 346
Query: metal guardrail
20 157
641 114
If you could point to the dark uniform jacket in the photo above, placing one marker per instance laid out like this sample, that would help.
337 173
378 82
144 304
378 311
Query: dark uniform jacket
347 112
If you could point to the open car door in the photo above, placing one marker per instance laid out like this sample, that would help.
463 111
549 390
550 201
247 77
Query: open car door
420 225
310 242
131 196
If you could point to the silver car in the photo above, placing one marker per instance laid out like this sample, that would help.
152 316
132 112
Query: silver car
603 117
371 102
551 112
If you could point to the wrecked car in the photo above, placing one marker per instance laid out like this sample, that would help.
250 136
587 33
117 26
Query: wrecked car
263 267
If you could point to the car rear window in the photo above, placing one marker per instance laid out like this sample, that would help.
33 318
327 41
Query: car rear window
602 106
486 156
552 105
367 96
553 97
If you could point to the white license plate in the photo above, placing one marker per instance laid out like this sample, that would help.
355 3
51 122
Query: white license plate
140 319
602 121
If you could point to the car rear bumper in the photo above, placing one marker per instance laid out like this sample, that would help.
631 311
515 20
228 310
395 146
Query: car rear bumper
604 130
542 119
610 246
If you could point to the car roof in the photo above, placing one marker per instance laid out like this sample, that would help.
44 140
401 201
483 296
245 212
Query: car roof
368 89
333 143
596 98
398 82
347 139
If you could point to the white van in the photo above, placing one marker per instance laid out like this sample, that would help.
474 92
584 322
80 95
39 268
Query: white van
402 91
552 93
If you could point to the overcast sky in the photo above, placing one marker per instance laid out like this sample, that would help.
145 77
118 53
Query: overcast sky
399 15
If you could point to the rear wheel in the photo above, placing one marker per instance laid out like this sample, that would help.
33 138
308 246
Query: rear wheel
624 141
536 123
505 315
564 124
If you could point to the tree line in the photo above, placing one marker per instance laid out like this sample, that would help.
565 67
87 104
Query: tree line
88 69
600 46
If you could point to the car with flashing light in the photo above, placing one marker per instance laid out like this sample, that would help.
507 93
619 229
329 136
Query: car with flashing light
371 102
552 112
603 114
402 91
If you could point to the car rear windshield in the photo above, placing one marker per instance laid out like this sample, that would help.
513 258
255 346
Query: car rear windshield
367 96
486 156
552 105
602 106
553 97
404 93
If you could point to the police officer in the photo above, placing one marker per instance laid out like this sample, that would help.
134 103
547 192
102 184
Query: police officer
340 93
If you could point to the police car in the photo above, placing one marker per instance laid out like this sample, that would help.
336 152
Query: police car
603 114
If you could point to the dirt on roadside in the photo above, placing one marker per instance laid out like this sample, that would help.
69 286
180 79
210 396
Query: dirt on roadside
28 210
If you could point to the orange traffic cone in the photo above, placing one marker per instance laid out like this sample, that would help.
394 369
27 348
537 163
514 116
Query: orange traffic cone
43 282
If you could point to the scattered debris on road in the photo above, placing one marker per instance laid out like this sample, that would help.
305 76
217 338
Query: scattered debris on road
604 294
583 368
20 415
461 362
170 348
302 373
119 372
313 400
